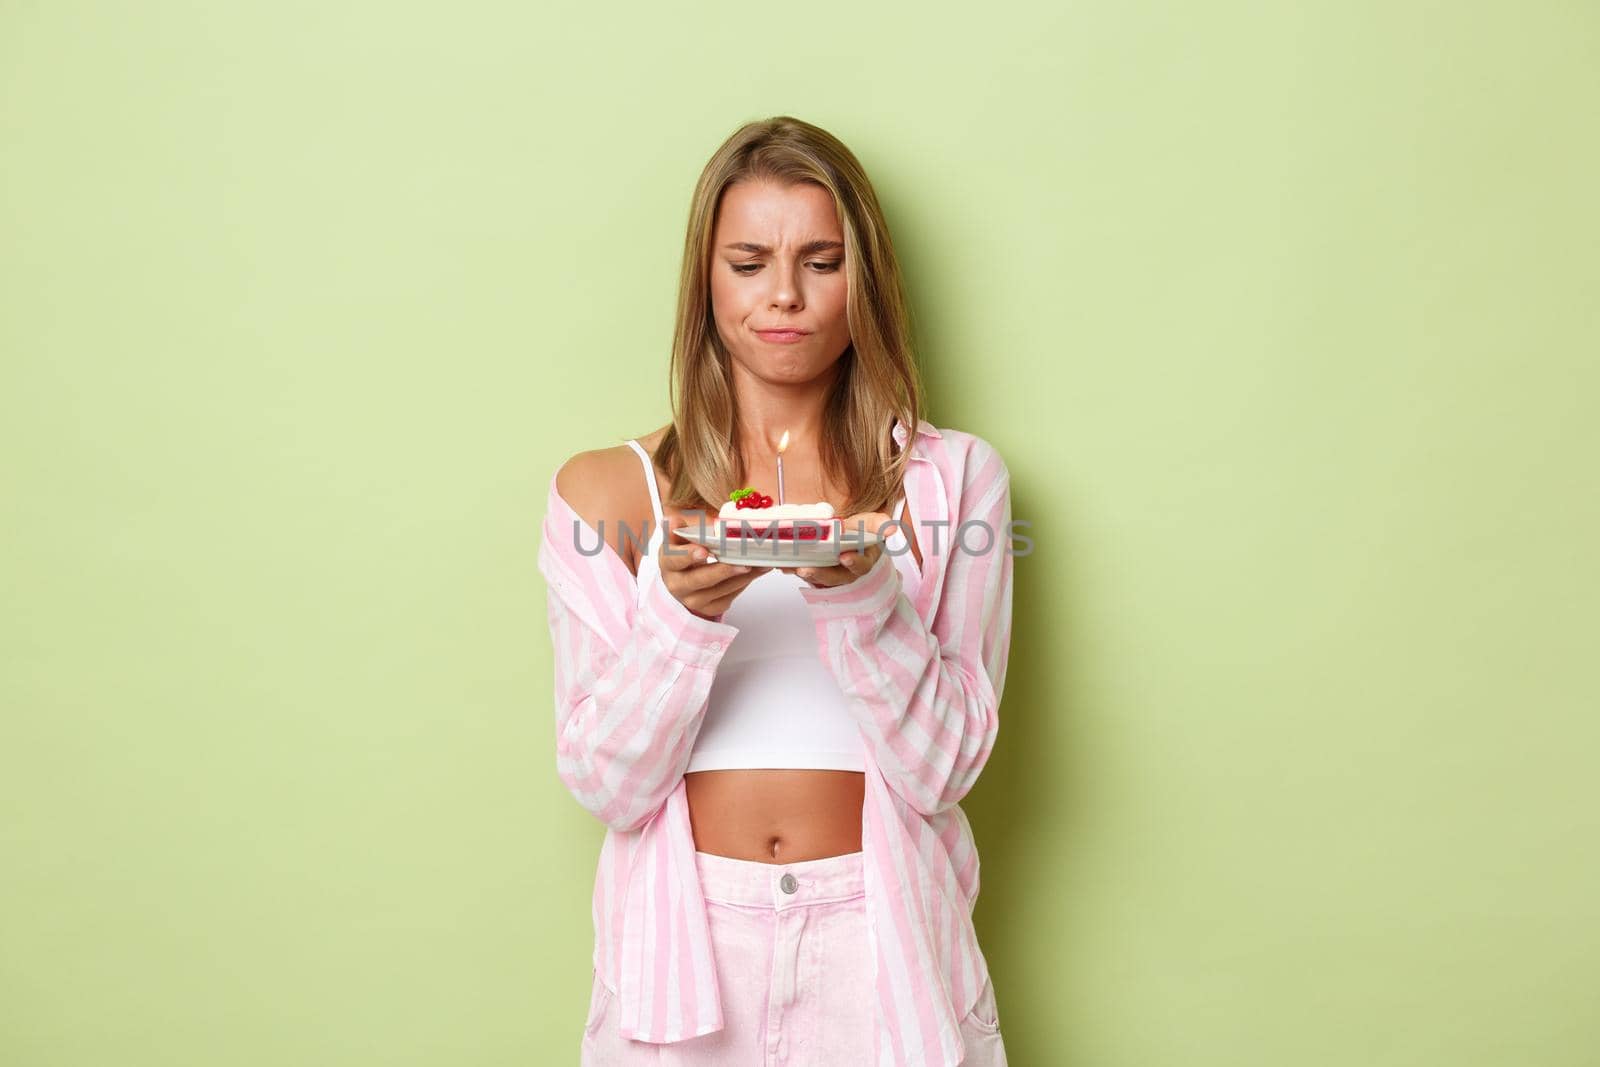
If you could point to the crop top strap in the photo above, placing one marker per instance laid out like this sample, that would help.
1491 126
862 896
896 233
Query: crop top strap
650 480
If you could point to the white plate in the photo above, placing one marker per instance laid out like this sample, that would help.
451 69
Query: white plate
774 553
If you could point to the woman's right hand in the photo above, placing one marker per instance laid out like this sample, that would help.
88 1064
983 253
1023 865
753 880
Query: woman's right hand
707 589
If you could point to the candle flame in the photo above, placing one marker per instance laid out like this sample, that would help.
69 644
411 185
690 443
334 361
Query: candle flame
783 442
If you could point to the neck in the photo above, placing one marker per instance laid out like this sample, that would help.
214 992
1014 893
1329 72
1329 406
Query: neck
769 409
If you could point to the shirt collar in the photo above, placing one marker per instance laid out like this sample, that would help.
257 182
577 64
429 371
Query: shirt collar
924 427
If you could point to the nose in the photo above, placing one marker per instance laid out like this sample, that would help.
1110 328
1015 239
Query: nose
786 288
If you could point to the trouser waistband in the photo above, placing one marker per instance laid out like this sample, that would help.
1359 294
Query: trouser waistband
752 883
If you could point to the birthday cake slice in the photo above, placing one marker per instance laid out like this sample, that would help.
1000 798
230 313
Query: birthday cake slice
751 516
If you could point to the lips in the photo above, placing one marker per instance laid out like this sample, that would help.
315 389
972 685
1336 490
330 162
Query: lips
782 336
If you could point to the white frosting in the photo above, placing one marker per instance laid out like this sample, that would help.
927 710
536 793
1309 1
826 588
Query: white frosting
732 510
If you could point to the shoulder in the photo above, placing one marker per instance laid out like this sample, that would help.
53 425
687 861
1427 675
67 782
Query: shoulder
966 459
606 488
595 481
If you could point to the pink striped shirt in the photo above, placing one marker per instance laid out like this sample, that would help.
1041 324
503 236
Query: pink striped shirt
923 672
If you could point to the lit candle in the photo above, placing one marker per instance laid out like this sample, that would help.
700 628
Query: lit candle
783 443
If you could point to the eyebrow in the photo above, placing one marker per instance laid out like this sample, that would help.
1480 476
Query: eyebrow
805 249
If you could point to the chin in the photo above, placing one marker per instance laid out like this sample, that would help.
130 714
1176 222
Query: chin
790 372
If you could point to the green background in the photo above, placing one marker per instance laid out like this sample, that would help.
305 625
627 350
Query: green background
1283 316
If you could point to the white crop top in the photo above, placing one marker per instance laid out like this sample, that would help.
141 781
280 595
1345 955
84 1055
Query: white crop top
773 702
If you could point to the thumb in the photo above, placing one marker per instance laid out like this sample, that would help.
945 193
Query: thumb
870 521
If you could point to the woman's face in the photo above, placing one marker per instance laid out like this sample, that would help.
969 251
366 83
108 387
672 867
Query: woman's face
778 263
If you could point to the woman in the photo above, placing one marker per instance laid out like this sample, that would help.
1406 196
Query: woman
778 753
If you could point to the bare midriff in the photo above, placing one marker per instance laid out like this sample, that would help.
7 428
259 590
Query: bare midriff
776 816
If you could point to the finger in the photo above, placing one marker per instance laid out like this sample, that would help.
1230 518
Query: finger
865 560
735 577
688 517
871 522
678 552
823 577
717 599
693 521
710 575
704 578
682 557
853 563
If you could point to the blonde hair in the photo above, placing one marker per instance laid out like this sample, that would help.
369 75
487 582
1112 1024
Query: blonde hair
878 380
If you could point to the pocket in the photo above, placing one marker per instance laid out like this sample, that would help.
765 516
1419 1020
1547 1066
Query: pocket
599 1001
985 1014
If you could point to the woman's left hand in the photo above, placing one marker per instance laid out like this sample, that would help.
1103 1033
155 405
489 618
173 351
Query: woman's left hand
852 564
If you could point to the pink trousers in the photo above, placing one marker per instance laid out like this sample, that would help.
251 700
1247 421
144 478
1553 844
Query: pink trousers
795 971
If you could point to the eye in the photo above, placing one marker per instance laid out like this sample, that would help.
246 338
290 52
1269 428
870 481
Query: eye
827 266
744 268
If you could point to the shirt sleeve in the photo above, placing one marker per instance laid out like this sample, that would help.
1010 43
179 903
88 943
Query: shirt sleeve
927 698
631 684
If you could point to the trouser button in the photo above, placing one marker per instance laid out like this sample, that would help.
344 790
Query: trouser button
788 884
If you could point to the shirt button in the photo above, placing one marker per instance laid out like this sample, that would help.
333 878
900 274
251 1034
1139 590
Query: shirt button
788 884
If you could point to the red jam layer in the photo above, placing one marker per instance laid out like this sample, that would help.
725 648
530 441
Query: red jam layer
787 530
